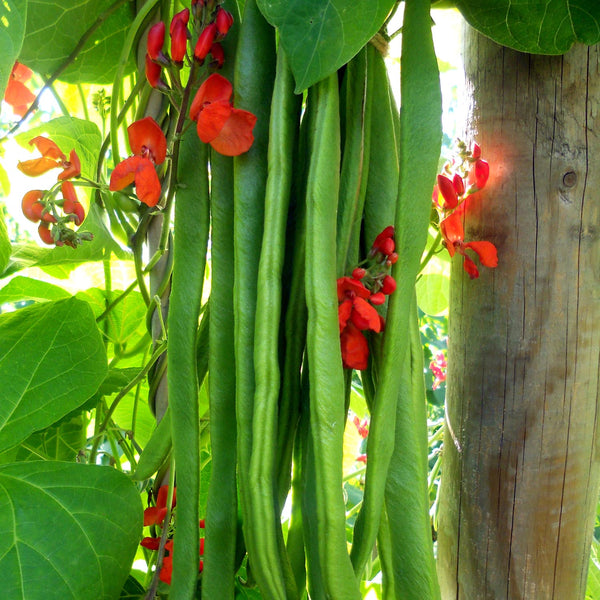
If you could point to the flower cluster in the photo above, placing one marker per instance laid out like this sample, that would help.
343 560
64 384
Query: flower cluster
155 515
467 175
359 294
42 206
149 147
17 94
438 368
227 129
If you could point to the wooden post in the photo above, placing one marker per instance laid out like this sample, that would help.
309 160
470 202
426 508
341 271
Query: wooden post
521 460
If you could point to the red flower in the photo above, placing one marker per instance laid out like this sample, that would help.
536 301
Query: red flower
438 368
353 295
17 94
52 158
224 21
453 233
149 147
155 515
71 204
153 72
227 129
355 350
216 51
448 191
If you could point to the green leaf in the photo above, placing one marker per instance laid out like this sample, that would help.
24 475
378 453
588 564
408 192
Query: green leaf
319 37
54 29
12 17
535 26
24 288
69 531
52 360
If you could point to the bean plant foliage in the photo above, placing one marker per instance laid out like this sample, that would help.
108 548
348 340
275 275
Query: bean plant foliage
211 365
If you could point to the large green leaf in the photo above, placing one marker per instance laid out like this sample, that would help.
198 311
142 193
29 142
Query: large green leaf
12 17
535 26
319 37
52 360
25 288
54 29
69 133
68 531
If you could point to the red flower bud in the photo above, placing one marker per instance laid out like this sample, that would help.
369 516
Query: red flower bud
387 246
45 234
156 39
459 184
482 172
359 273
447 191
31 206
205 41
216 51
153 71
182 17
388 285
179 35
476 151
224 21
377 298
392 259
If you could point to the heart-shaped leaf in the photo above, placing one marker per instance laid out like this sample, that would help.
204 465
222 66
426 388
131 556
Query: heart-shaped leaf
319 37
52 360
54 29
535 26
67 531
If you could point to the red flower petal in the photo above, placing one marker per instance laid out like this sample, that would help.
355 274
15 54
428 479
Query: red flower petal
179 35
235 136
205 41
452 228
488 255
19 96
32 207
147 139
364 316
347 287
154 515
388 232
37 166
212 119
166 571
153 73
124 173
459 184
20 72
470 267
47 148
344 312
147 183
355 350
224 21
72 167
150 543
182 17
163 494
482 172
215 89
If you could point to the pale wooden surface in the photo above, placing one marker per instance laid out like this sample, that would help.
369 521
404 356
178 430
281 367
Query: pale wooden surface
521 469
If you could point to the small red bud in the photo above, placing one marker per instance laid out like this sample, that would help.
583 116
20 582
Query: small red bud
482 172
392 259
183 17
388 285
387 246
476 151
45 234
156 39
359 273
153 71
179 34
216 51
224 21
205 41
447 191
459 184
377 299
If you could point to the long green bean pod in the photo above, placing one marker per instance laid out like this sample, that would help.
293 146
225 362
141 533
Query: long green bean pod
263 528
221 524
253 86
327 411
420 137
355 160
190 241
406 498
